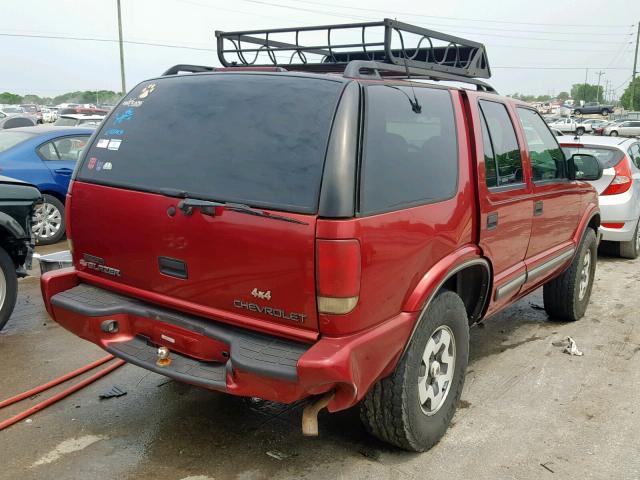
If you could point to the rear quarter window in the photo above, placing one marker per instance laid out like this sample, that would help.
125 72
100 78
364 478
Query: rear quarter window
409 158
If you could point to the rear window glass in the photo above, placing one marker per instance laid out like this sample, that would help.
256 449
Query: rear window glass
254 139
409 158
607 157
65 122
11 139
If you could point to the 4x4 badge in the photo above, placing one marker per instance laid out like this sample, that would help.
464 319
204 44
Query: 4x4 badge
260 294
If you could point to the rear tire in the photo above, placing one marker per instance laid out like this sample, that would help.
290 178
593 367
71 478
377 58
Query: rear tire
605 111
580 131
48 221
631 249
566 297
8 287
404 409
614 133
577 112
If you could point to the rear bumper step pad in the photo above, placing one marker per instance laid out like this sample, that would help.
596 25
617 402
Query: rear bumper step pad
249 351
185 369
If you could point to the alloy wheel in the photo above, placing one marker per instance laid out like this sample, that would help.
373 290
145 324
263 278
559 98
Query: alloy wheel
47 221
3 288
585 275
436 370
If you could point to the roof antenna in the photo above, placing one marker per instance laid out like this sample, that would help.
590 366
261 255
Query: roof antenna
415 105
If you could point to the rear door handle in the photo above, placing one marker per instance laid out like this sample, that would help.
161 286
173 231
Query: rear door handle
538 207
492 220
63 171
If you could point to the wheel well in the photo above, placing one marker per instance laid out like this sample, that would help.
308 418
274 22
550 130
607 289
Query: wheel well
594 223
473 285
12 246
61 198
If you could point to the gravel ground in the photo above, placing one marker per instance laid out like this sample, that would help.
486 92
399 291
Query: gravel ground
527 411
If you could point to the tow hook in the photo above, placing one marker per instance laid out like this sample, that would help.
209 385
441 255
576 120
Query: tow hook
310 414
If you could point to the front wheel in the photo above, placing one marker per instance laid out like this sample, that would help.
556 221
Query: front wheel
48 221
567 296
580 131
614 133
412 408
631 249
605 111
8 287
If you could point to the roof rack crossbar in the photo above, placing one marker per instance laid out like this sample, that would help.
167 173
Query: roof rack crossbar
377 71
400 44
187 68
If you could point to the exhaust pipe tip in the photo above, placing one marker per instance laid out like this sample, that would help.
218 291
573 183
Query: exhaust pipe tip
310 414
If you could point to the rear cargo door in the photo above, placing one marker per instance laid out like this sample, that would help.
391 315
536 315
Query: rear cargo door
254 143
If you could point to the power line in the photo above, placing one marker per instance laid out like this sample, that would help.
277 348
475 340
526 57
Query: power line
342 15
186 47
414 14
107 40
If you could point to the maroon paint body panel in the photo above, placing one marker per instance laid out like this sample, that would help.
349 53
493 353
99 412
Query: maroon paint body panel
227 256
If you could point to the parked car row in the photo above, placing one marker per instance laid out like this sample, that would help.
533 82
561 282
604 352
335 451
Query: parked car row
624 128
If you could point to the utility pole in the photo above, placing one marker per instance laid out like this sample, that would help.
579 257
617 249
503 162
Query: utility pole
124 86
635 64
600 73
584 92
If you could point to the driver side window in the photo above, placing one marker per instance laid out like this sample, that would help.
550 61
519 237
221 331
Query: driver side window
547 159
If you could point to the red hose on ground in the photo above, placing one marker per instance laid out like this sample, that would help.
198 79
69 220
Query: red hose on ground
61 395
53 383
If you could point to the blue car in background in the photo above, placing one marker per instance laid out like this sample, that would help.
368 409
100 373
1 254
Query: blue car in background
44 156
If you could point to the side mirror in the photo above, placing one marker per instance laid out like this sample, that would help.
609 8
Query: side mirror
584 167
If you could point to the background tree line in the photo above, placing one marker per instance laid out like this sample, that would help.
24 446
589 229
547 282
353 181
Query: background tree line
96 97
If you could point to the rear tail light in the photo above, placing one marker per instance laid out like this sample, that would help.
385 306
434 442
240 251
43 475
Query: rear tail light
613 225
338 275
622 181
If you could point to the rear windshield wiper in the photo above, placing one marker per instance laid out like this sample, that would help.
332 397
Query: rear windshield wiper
207 207
242 208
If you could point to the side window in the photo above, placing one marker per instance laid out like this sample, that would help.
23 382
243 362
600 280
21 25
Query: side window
48 152
409 158
505 145
491 172
547 159
69 148
634 153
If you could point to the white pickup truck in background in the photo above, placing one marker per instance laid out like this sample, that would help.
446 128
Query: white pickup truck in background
566 125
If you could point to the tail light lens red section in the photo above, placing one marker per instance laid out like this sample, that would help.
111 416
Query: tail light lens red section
613 225
338 271
622 181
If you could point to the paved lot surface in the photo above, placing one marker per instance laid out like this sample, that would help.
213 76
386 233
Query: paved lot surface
528 410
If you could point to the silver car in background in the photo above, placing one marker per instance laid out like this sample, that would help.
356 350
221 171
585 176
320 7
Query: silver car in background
627 128
618 189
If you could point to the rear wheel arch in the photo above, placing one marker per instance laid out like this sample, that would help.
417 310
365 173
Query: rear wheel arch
461 279
57 195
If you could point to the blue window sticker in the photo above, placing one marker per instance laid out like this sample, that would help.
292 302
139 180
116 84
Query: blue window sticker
124 116
114 131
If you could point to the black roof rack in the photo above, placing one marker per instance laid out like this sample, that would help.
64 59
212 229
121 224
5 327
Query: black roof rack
388 48
187 68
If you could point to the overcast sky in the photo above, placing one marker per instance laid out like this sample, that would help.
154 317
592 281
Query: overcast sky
521 37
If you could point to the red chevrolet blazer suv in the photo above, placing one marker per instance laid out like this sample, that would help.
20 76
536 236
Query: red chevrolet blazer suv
327 231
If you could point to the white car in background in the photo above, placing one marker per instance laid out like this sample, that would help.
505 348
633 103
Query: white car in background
618 189
588 125
627 128
48 115
78 119
567 125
